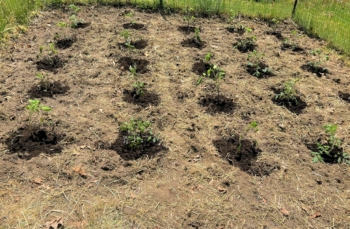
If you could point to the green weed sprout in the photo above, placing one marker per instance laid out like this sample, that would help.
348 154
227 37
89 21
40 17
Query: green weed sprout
288 92
216 74
325 150
197 37
44 80
255 60
320 59
189 16
127 36
35 107
138 132
253 125
62 24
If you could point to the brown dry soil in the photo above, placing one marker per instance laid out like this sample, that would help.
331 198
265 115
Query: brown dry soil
209 170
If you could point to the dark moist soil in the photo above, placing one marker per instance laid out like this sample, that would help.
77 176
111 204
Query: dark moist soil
344 96
193 43
217 104
147 149
186 29
294 48
50 63
296 105
137 26
243 153
318 71
55 88
141 64
200 67
245 45
82 25
329 159
65 42
147 99
276 33
30 143
140 44
238 30
252 70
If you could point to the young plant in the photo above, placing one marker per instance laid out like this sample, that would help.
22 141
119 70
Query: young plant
245 45
50 50
75 21
127 36
197 37
255 64
208 57
214 73
132 70
288 93
131 16
138 132
253 125
139 88
35 107
327 150
316 65
189 16
44 80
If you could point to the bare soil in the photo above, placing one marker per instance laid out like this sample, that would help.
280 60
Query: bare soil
209 169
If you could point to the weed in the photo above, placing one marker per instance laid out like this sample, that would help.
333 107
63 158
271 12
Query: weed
255 65
288 93
245 45
330 149
214 72
253 125
44 80
316 65
189 16
127 36
35 107
138 133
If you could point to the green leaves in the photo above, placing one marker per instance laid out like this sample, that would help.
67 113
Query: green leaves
35 107
138 132
288 92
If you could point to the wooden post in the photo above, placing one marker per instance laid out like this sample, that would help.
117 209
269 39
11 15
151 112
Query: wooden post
295 7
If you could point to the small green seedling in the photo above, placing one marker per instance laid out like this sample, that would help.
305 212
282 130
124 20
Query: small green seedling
44 80
132 70
139 88
131 16
62 24
197 37
208 57
214 73
326 150
189 16
288 92
253 125
316 65
50 51
138 133
245 45
74 8
35 107
255 60
127 36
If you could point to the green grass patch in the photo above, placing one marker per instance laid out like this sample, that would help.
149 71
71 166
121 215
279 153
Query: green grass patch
328 19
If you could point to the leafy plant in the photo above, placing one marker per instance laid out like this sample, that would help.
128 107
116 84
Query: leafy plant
208 57
328 149
214 73
288 92
189 16
139 88
138 133
197 37
131 16
132 70
50 51
316 65
35 107
127 36
75 21
74 8
253 125
255 64
245 45
44 80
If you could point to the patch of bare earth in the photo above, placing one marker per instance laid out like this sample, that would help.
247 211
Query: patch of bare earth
209 170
